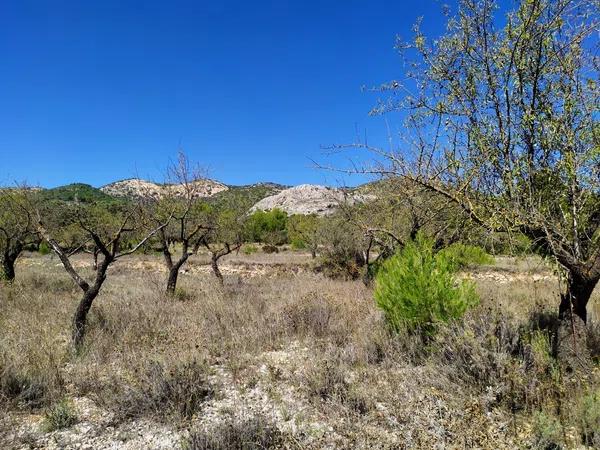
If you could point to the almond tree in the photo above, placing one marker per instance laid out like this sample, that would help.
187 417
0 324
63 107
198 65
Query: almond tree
188 226
503 123
224 238
17 229
305 229
108 229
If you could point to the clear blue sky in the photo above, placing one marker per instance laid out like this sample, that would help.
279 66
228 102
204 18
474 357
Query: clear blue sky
95 91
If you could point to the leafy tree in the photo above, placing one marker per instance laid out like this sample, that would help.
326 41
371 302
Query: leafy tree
304 232
185 212
114 231
17 229
344 247
225 236
388 220
267 226
503 123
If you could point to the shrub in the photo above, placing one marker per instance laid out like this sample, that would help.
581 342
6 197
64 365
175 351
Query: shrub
327 381
31 379
513 244
298 244
267 227
342 255
176 389
589 412
418 288
182 295
547 431
463 255
60 415
250 434
249 249
44 248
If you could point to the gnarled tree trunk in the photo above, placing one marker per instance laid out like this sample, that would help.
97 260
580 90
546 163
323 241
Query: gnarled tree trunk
80 316
89 295
571 342
214 263
8 269
172 280
174 274
8 261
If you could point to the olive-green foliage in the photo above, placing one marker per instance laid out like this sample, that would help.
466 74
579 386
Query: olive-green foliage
67 221
243 197
77 192
249 249
304 231
267 226
589 419
464 255
44 248
60 415
512 244
343 245
547 430
417 288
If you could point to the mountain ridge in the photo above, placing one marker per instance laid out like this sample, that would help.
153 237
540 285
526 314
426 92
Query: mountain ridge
300 199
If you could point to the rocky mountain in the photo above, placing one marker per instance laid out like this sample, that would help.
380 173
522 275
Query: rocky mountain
308 199
135 187
302 199
244 197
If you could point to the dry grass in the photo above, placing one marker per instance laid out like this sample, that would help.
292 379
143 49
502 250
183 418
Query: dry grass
311 357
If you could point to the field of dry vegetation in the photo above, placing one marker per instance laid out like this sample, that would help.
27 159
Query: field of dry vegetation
282 357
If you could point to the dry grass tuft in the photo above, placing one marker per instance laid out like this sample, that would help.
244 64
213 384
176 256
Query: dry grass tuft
255 433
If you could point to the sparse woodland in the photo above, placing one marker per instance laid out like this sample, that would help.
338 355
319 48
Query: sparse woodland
454 306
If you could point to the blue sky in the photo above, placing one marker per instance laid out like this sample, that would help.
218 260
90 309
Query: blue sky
99 91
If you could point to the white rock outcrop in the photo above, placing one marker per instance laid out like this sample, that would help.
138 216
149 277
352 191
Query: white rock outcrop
136 187
307 199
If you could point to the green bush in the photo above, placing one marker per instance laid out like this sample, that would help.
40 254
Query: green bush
547 431
298 244
417 288
267 227
44 248
60 415
249 249
589 418
462 255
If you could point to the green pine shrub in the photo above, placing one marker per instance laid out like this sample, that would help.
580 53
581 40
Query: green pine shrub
417 288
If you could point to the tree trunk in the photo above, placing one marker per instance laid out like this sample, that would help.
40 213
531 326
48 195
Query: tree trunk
9 259
8 268
579 291
172 280
214 263
174 270
89 295
95 265
80 317
571 337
